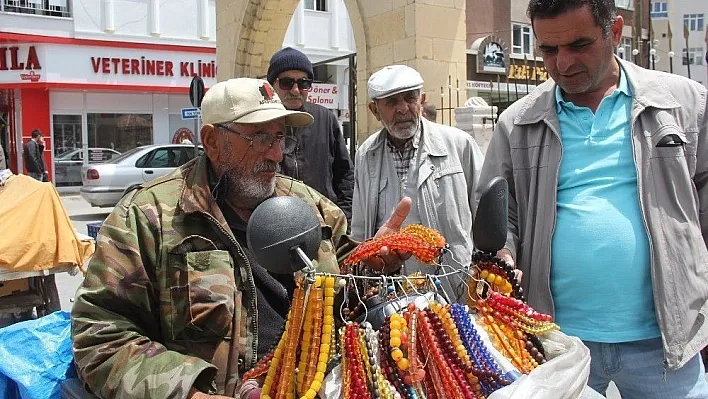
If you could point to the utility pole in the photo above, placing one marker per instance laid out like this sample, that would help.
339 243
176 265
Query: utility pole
671 54
686 33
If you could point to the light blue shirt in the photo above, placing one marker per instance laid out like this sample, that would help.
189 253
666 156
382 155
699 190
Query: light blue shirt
600 260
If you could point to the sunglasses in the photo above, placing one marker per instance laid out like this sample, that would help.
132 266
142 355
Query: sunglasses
304 84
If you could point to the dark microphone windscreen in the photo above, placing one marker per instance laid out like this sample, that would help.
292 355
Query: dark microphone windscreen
490 222
279 225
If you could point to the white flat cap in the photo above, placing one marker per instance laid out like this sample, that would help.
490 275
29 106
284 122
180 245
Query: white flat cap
392 80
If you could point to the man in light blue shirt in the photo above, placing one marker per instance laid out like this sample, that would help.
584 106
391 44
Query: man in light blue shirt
596 266
598 206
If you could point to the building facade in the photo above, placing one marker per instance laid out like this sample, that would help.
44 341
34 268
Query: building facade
114 74
110 74
502 65
680 38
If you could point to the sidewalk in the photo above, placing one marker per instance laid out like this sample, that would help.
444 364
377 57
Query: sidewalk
68 191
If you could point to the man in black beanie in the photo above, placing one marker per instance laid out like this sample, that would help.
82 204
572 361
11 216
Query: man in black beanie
315 154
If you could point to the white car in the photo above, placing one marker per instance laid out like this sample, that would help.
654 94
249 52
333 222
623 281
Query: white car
67 165
105 184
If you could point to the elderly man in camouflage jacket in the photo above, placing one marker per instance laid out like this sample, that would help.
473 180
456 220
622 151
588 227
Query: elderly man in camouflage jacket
174 305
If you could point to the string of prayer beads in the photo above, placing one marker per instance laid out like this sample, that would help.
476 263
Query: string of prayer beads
424 243
497 273
307 378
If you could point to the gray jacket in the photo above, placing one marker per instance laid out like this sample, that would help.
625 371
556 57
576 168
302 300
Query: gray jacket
446 178
673 192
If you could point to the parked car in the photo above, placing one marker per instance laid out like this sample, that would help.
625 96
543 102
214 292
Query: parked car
67 165
105 184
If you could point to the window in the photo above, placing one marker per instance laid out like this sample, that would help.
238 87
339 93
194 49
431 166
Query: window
67 150
693 21
166 157
626 4
324 73
317 5
659 10
67 133
54 8
521 39
120 132
624 50
694 56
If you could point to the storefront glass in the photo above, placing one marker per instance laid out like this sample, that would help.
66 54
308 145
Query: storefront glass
67 133
119 132
67 149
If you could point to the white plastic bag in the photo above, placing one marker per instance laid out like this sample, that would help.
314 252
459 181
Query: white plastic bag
563 376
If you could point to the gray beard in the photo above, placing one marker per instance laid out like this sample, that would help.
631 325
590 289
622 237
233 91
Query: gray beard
244 190
248 192
404 134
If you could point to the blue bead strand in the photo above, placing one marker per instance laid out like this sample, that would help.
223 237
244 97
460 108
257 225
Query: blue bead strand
477 349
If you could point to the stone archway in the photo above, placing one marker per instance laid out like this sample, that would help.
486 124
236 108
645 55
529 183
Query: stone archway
428 35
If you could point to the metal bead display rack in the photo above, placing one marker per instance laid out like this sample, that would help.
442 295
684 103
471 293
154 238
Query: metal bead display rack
399 336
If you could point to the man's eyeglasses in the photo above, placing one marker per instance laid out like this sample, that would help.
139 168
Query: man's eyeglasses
304 84
261 142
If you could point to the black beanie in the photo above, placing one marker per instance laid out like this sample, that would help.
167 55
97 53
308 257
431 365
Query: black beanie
288 59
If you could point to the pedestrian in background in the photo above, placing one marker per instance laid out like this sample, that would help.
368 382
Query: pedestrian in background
435 165
429 112
32 153
315 154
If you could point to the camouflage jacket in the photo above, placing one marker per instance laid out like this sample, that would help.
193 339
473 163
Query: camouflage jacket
169 301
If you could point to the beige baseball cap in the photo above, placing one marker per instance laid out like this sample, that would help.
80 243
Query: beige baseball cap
247 100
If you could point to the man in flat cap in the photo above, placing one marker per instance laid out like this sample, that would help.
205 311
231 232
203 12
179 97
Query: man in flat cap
315 154
174 304
435 165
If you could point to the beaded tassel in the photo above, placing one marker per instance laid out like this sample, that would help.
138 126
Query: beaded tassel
488 371
449 352
450 384
358 386
346 373
310 334
275 363
325 341
424 243
261 368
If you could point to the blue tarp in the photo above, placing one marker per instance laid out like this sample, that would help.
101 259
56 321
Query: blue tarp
35 357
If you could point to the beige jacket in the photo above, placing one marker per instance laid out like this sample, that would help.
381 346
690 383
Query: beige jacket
673 191
445 181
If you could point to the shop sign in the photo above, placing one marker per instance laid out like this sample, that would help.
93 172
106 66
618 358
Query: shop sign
31 76
152 67
477 85
530 72
11 59
183 136
492 55
15 58
91 65
326 95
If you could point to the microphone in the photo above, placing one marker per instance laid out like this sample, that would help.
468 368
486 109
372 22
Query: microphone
490 223
284 234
